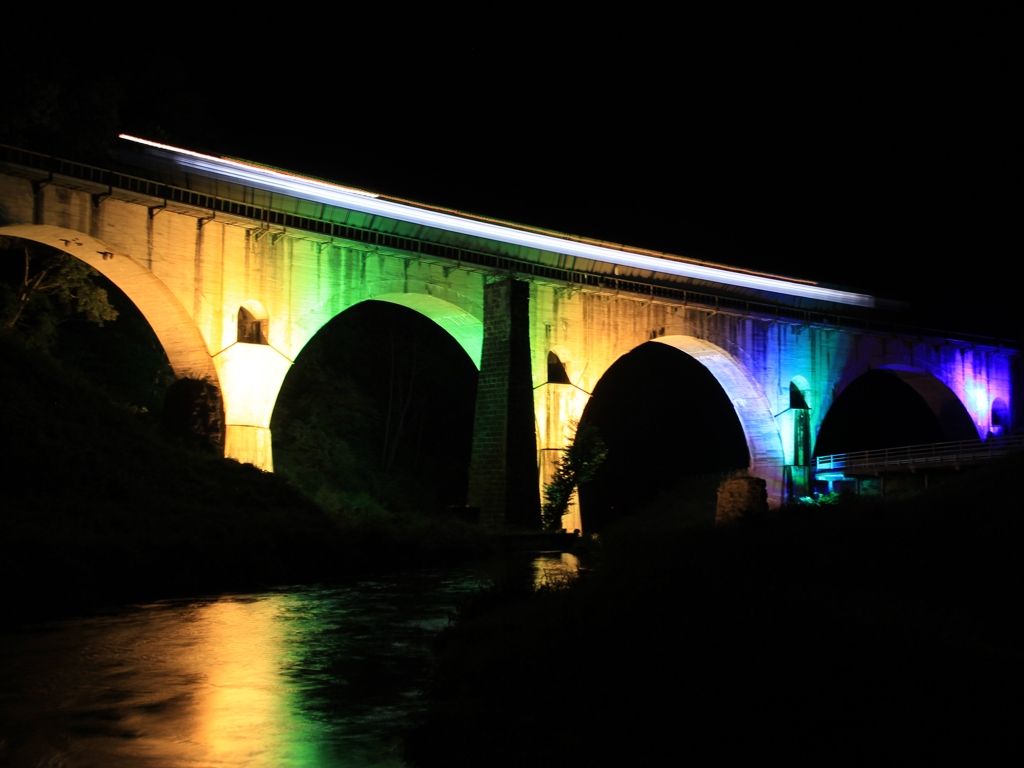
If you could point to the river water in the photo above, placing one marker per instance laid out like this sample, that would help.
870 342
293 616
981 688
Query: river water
305 676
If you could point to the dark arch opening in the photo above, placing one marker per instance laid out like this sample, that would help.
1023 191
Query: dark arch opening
796 397
179 336
123 356
379 404
882 409
1000 417
252 326
797 475
666 422
556 370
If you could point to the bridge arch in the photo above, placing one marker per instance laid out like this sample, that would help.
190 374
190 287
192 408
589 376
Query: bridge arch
950 387
252 374
764 441
181 339
381 391
896 405
760 432
461 324
951 412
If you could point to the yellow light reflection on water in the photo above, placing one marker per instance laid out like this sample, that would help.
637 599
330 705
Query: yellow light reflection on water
317 676
555 570
243 711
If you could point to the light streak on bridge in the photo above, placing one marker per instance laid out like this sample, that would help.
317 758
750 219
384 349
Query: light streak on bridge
367 202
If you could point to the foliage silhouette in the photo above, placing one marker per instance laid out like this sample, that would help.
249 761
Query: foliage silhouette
577 465
98 502
43 287
193 413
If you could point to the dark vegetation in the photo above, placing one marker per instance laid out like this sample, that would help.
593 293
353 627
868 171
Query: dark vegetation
378 410
840 634
100 506
576 467
112 489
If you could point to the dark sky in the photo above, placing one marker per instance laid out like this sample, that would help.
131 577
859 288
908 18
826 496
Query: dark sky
873 152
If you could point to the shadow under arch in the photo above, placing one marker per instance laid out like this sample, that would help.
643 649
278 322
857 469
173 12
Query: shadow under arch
379 403
892 406
952 414
181 339
764 441
671 420
461 325
253 323
557 373
1001 417
799 392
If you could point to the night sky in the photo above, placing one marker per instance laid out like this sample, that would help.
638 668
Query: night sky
871 152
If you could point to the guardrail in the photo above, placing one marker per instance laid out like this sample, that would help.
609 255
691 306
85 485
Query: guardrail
920 456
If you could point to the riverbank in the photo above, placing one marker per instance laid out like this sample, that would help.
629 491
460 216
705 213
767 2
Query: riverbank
98 509
812 635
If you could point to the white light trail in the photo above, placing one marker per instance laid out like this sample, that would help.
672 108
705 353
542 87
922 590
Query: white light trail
366 202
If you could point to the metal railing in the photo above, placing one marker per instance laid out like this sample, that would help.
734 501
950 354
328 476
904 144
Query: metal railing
920 456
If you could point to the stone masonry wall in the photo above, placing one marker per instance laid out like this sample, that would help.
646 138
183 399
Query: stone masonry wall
503 467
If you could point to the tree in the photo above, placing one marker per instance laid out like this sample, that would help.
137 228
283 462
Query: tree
44 287
194 412
577 465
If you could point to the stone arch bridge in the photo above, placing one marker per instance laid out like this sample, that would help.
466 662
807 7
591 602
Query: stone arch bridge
237 267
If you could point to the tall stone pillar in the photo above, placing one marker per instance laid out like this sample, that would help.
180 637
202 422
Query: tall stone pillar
503 466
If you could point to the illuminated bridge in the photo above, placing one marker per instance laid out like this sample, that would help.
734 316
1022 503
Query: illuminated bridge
237 266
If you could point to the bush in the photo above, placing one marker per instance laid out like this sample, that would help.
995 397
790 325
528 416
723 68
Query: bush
577 465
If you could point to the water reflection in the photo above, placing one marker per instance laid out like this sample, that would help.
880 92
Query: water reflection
245 705
306 677
554 569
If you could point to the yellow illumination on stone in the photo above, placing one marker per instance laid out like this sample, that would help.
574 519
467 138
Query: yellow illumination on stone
250 379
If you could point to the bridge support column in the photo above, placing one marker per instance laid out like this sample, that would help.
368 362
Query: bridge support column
249 445
503 466
798 483
250 379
